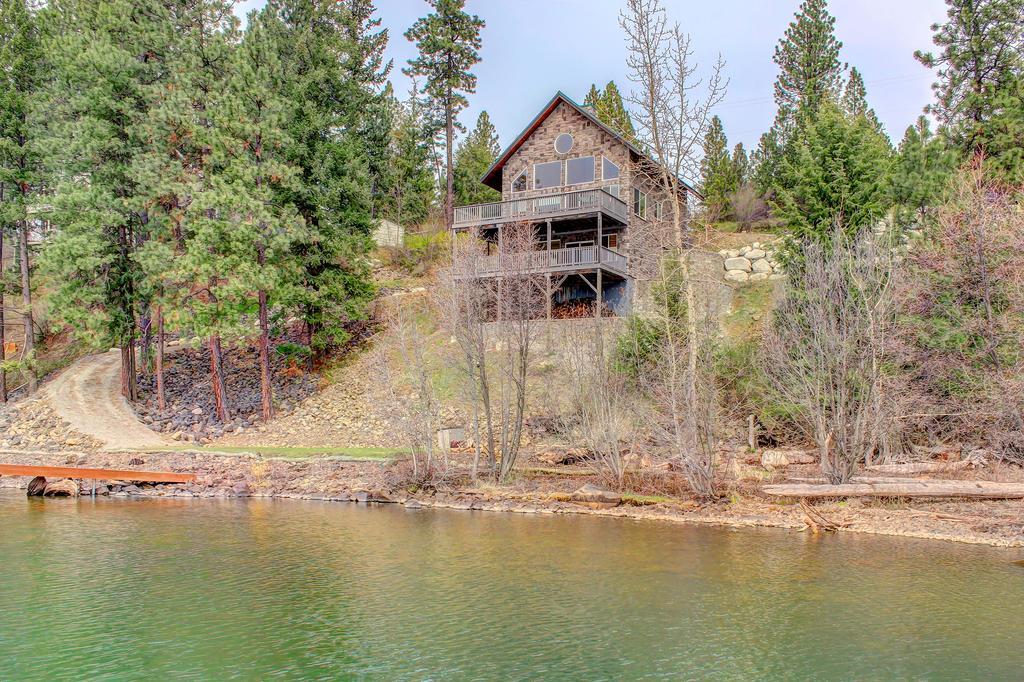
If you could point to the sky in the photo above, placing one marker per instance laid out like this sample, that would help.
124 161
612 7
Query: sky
534 48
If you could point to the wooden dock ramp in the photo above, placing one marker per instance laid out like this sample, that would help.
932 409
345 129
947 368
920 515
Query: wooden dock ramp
96 474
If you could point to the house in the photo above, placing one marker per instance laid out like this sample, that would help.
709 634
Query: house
576 181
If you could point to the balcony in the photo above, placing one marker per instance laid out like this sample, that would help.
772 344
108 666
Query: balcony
570 259
544 207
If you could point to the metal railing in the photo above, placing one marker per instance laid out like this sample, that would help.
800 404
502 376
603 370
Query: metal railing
539 206
555 260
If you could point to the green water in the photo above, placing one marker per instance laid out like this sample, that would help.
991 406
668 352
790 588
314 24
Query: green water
190 589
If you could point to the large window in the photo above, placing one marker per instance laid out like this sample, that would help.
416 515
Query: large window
609 171
640 203
521 182
547 175
579 170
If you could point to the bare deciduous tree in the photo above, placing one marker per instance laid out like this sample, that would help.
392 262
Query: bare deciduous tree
827 346
492 304
413 405
672 111
604 409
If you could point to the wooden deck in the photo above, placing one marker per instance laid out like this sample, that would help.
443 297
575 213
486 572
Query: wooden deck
97 474
542 207
555 261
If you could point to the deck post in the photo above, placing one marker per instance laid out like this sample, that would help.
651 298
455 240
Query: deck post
548 290
600 240
599 290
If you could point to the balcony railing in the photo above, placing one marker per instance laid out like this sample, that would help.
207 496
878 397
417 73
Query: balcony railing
555 260
539 207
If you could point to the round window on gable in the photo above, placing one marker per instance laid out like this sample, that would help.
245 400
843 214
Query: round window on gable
563 143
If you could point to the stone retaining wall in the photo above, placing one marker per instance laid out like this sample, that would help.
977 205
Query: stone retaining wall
753 263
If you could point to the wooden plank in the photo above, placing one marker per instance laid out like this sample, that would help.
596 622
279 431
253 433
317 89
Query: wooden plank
983 490
101 474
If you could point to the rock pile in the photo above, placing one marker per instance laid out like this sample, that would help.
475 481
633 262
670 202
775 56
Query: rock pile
753 263
191 415
32 424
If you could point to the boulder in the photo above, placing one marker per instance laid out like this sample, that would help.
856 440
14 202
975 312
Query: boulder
413 503
761 266
591 494
779 459
758 277
62 488
755 253
738 263
736 276
36 486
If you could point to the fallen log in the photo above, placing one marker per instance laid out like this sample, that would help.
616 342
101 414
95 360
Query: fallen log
919 467
981 490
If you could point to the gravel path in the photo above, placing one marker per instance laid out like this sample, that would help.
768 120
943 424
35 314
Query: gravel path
87 395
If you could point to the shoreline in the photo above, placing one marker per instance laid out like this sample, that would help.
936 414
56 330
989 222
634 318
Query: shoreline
242 475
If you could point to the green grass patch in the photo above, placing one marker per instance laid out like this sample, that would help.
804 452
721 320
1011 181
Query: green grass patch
751 306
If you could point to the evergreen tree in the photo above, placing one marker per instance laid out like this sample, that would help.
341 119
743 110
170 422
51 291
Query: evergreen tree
593 98
412 190
837 175
1003 138
740 165
612 112
335 137
765 162
920 172
855 99
472 159
810 74
102 59
808 59
980 58
718 180
448 40
20 166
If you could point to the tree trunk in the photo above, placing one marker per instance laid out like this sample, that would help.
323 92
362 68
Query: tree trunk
26 302
161 397
449 196
220 396
146 345
985 490
266 390
128 384
3 335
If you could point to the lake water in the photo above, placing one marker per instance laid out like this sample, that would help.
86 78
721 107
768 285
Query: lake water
200 589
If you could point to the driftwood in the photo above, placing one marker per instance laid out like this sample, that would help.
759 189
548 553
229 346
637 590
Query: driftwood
981 490
817 521
920 467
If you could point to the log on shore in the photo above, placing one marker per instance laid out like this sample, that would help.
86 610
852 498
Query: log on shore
920 467
981 490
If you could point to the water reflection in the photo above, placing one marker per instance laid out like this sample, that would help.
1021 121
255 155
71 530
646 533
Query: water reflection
140 589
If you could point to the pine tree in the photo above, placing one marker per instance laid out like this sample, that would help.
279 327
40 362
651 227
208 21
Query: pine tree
20 166
718 180
1003 137
808 59
448 40
102 56
855 99
474 156
980 57
740 165
332 60
921 170
412 190
612 112
765 162
593 98
837 175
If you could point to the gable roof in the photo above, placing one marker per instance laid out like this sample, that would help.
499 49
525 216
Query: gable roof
492 178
